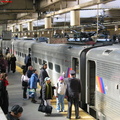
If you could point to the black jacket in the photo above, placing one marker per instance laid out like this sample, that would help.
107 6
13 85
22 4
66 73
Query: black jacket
10 117
73 88
43 75
29 73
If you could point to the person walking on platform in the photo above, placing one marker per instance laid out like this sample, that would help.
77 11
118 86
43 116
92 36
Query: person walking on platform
15 113
72 94
47 93
8 57
13 63
60 94
29 73
43 75
3 92
33 84
24 80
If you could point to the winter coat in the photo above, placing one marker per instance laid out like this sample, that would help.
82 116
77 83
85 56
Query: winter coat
10 117
43 75
13 63
73 88
29 73
4 102
47 91
33 81
60 88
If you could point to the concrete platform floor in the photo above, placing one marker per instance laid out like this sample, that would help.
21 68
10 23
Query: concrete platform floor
30 109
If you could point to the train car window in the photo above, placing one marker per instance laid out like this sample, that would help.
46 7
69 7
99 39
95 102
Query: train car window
25 55
29 50
57 68
75 65
44 61
40 61
35 59
20 53
50 65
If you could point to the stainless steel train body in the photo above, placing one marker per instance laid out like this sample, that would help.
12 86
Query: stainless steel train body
21 50
59 58
6 44
97 67
103 82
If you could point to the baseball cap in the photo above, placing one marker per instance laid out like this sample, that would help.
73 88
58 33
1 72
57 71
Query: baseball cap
47 78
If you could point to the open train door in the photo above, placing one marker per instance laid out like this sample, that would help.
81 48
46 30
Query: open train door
83 75
90 87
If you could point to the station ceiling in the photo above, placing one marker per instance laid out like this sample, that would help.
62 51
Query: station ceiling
12 11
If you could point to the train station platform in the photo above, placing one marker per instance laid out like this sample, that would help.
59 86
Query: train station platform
31 109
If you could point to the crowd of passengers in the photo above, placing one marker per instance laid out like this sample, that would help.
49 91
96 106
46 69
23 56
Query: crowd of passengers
69 88
7 64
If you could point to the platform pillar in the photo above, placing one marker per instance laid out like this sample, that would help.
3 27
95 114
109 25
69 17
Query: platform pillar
13 28
30 26
20 28
48 22
75 18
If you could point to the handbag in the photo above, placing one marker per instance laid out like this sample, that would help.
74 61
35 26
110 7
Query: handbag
42 108
25 84
48 109
45 109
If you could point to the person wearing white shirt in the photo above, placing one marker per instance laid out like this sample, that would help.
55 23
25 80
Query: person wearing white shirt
60 94
24 80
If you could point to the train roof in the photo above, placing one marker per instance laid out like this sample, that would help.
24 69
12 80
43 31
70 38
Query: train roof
106 53
60 48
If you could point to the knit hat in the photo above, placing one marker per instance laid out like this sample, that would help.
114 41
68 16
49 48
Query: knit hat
47 78
61 78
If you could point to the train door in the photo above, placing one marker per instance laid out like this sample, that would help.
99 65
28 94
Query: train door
75 66
91 68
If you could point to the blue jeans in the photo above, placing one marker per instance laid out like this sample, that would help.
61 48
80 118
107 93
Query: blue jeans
60 102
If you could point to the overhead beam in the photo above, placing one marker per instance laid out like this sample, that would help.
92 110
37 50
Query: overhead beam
44 4
18 5
78 7
7 16
27 16
16 11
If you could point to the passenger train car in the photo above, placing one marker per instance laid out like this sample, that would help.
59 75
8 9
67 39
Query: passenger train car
97 66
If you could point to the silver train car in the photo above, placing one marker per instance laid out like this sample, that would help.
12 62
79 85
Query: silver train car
103 81
97 66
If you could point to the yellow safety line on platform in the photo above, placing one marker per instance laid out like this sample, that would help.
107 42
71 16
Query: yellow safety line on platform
19 69
83 114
